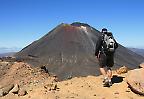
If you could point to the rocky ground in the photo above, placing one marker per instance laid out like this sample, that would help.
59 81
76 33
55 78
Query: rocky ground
19 81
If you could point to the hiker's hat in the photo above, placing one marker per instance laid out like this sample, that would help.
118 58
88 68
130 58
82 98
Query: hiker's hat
104 30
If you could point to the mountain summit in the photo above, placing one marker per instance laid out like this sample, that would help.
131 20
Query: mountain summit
68 51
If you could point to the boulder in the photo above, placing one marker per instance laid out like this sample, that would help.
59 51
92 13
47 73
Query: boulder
15 89
122 70
135 81
142 65
5 90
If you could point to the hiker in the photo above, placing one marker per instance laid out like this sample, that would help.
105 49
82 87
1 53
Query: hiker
105 48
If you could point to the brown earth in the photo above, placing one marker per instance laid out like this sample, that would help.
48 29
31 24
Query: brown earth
39 85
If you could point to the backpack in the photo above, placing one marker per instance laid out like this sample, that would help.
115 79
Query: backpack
109 43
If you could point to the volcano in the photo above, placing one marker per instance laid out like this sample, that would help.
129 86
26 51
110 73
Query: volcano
68 51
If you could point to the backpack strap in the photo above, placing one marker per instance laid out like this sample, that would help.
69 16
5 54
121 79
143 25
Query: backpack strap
102 46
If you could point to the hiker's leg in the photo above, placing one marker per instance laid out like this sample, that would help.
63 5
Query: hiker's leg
103 72
110 63
102 64
109 73
105 80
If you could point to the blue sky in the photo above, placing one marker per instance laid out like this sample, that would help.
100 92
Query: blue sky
23 21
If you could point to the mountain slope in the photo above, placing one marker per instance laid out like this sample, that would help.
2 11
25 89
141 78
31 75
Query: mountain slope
68 51
138 51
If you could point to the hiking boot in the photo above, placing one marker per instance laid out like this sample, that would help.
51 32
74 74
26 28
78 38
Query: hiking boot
106 82
110 83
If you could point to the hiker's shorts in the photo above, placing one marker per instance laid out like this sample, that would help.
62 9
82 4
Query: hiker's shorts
106 60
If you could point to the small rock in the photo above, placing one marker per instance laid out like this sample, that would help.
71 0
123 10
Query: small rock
22 92
128 90
0 86
15 89
29 96
45 69
116 93
6 89
57 97
103 98
142 65
1 93
55 87
66 84
51 86
95 95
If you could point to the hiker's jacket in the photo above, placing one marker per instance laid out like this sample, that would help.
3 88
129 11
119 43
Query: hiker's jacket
99 45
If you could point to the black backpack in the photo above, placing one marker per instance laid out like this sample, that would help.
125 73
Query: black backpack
109 43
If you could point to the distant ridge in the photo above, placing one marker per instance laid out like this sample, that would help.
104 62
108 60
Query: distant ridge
10 54
9 50
68 51
138 51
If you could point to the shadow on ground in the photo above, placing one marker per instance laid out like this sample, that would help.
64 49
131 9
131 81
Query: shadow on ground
117 79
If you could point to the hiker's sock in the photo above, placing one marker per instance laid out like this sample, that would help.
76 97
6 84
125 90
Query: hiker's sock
105 78
110 82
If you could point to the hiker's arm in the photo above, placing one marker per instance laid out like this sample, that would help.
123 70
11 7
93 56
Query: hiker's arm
98 46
